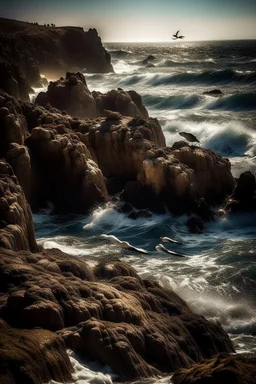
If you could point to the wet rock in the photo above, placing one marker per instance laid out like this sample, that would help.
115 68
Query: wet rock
214 92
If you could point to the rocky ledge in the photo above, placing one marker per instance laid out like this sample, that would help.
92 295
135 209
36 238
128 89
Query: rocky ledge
28 50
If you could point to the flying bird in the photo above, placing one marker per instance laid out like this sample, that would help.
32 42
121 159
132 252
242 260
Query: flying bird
122 244
176 36
189 137
160 248
169 240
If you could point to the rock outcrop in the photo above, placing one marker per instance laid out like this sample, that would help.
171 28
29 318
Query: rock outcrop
107 313
27 49
69 178
127 103
63 159
221 369
16 225
244 197
32 356
48 158
71 95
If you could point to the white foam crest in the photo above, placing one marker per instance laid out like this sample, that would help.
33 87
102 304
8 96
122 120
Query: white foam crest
229 138
87 372
121 66
106 218
74 246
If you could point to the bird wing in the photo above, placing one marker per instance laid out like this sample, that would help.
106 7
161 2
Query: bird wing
161 248
169 240
177 33
138 250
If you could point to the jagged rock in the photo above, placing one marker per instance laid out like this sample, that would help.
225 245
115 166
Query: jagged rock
71 180
221 369
18 231
32 356
244 196
107 313
120 147
127 103
71 95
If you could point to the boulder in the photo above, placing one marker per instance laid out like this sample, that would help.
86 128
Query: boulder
71 95
127 103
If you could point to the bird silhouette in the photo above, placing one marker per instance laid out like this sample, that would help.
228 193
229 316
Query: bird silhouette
189 137
176 36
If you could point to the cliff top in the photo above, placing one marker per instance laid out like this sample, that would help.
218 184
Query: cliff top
16 26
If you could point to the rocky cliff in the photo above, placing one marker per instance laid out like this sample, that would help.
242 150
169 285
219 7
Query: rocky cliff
28 50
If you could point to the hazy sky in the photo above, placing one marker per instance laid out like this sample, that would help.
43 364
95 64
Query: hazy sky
143 20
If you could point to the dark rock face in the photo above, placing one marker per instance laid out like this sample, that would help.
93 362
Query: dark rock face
17 230
71 95
221 369
214 92
51 163
26 50
244 196
32 356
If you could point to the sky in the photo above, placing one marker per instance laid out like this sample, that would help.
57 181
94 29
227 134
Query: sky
143 20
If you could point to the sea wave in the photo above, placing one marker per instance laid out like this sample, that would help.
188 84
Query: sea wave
238 102
225 76
173 102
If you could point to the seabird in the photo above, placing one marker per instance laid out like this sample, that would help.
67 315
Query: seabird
175 37
169 240
122 244
160 248
189 137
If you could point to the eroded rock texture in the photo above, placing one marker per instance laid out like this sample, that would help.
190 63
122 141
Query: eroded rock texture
16 225
221 369
107 313
71 95
32 356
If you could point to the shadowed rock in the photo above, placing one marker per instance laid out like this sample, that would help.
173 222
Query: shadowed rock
32 356
71 95
28 50
221 369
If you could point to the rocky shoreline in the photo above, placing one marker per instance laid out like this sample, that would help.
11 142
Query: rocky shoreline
75 149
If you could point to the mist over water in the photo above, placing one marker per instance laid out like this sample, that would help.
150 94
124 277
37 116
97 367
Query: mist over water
218 277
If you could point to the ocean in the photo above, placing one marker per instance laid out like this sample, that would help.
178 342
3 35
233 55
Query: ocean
217 278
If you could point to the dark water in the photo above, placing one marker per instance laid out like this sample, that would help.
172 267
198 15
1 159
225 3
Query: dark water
218 277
